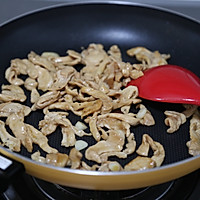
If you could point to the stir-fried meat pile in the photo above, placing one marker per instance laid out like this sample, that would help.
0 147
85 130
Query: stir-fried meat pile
97 94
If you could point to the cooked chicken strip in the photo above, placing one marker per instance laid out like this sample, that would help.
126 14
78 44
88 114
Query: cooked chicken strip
112 166
40 139
88 107
140 163
124 117
55 159
19 129
62 77
11 142
75 157
114 124
44 78
131 144
145 116
9 108
189 110
12 93
72 59
152 59
68 136
159 152
194 143
93 127
46 99
51 121
114 143
41 61
107 101
126 97
174 120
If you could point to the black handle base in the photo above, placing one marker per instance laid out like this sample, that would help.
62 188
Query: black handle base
9 171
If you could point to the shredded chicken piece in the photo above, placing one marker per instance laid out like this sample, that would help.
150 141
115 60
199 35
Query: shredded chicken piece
46 99
140 163
72 59
51 120
41 61
115 53
174 120
55 159
30 83
126 97
145 116
107 101
159 152
19 129
114 124
131 145
37 157
75 157
194 143
9 108
93 127
189 110
12 93
62 77
114 143
69 138
112 166
11 142
85 166
88 108
34 95
130 119
93 55
40 139
152 59
44 78
57 105
20 66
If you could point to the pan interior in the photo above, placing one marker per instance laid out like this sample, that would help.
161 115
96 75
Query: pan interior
75 26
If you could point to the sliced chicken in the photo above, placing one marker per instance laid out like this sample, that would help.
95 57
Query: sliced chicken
159 152
152 59
19 129
114 143
12 93
9 108
40 139
174 120
46 99
8 140
194 143
140 163
75 157
55 159
73 58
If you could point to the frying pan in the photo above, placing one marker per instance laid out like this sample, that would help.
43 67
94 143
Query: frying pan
76 25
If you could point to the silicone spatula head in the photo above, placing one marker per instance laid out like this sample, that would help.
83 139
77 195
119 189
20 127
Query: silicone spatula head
169 83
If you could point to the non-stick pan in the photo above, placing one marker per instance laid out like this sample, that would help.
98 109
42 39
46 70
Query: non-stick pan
72 26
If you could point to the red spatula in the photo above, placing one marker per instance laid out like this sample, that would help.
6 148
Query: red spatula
169 83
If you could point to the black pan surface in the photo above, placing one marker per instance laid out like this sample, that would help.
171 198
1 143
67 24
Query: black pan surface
127 25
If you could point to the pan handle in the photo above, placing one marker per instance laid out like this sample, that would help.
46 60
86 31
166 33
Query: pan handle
9 171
